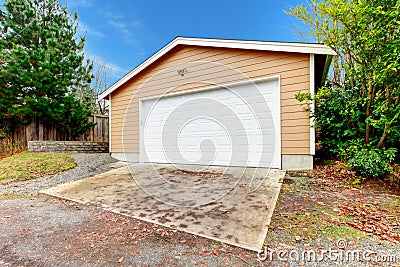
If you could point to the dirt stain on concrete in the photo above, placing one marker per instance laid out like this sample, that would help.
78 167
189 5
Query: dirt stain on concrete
239 218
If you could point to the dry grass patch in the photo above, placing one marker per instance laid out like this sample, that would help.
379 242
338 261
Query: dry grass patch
31 165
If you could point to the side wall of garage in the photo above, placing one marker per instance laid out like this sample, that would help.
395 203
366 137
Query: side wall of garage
206 66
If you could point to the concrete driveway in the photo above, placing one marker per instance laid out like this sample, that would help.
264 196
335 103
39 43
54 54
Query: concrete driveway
233 205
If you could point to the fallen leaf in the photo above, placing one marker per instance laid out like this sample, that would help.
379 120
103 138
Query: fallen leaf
215 252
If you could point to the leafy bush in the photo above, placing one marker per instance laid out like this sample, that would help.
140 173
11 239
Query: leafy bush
340 122
372 162
349 148
364 98
339 118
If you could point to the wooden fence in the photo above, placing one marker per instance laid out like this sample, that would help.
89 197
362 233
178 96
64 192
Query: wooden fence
37 131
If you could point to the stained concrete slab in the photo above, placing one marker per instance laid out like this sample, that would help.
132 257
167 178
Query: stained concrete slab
229 204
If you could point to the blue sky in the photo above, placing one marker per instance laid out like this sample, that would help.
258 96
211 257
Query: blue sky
123 33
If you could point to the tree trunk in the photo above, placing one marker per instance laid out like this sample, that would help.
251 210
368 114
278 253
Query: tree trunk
384 136
368 111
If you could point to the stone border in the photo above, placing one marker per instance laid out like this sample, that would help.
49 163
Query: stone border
68 146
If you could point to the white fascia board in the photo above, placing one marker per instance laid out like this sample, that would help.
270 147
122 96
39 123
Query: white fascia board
139 68
312 104
260 45
224 43
109 125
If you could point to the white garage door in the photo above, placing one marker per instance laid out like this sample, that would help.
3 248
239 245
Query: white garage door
235 125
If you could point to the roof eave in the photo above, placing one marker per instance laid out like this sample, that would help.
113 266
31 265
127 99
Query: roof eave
225 43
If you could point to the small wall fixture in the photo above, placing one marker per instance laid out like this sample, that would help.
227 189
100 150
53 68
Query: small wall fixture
182 72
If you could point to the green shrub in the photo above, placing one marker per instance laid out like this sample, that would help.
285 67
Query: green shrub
349 148
340 121
339 118
372 162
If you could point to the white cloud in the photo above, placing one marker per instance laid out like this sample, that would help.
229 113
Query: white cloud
115 71
120 25
83 29
129 31
127 27
76 3
112 15
137 24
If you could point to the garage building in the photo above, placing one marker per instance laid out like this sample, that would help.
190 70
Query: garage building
219 102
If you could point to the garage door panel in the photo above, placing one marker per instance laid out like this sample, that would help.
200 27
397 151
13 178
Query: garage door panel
239 110
199 105
192 132
237 121
217 127
196 141
223 144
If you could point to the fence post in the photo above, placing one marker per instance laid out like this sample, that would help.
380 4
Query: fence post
41 135
94 129
28 132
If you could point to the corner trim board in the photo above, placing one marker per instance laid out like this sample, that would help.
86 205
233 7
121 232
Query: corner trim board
312 104
109 124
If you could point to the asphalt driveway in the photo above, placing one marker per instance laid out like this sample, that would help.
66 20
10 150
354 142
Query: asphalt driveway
232 205
47 232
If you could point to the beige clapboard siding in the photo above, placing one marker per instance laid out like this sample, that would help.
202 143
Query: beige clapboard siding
202 70
204 73
199 65
207 80
215 56
210 56
298 122
233 65
292 77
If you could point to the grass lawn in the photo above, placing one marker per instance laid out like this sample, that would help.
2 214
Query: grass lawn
31 165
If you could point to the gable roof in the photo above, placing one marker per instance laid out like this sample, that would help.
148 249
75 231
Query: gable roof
306 48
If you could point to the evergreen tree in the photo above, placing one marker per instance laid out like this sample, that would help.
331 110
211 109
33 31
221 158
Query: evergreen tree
42 65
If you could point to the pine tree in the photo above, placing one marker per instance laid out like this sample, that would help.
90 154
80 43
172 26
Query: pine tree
42 65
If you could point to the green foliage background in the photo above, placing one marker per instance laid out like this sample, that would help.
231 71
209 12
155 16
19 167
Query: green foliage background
358 110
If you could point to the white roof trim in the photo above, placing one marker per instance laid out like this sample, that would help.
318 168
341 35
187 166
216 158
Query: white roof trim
240 44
